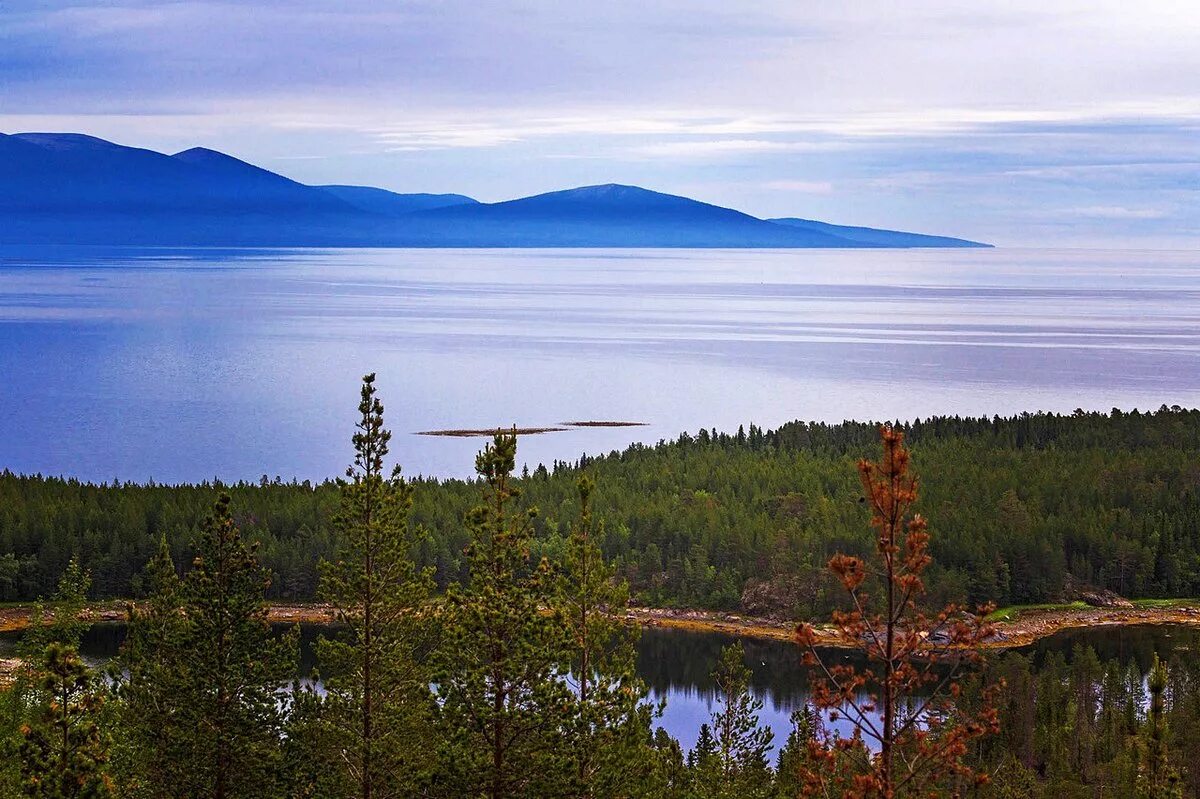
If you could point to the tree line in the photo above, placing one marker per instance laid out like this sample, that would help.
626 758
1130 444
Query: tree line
517 680
1025 506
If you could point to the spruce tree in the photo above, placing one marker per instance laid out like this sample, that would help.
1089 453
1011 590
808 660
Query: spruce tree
234 670
504 698
64 754
612 720
375 670
794 757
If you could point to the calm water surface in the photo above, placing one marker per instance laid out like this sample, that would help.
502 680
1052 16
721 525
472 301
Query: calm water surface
188 364
677 665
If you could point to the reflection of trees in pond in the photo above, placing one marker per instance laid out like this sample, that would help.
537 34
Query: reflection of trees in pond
102 642
1135 643
674 661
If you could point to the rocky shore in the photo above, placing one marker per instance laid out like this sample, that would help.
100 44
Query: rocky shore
1025 628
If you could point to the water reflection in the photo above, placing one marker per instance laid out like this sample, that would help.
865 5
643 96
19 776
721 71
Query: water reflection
677 665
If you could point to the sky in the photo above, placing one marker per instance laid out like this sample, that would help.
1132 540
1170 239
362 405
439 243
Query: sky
1047 123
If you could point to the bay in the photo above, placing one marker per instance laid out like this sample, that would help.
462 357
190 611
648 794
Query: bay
183 365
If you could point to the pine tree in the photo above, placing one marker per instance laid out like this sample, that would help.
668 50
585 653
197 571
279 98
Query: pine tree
741 745
64 622
1157 779
313 764
375 670
705 750
64 754
612 720
150 684
505 701
902 701
235 671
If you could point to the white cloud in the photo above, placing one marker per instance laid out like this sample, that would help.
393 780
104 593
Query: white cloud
1115 212
800 186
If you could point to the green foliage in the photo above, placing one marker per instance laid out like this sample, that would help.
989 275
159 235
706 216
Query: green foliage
57 624
504 698
64 754
794 757
204 663
719 520
731 756
611 737
378 703
151 683
313 764
62 622
1157 778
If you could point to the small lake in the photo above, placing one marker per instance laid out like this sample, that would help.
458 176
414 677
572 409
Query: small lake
677 665
185 364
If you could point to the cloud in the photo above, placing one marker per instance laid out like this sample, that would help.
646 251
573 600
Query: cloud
1116 212
800 186
717 148
939 114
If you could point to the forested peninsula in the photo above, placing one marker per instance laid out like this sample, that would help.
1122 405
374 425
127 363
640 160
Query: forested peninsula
1027 509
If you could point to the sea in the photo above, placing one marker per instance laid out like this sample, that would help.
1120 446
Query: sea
191 364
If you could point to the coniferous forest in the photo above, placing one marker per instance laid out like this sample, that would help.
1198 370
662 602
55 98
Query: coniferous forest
477 651
743 520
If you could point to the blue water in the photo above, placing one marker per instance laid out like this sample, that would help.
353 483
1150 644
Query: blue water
188 364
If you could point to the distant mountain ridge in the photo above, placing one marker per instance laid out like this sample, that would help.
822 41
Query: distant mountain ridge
61 188
877 236
390 203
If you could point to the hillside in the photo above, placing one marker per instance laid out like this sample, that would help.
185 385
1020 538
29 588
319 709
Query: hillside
1021 508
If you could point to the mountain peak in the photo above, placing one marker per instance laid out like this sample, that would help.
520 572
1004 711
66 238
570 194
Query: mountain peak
610 195
607 192
194 154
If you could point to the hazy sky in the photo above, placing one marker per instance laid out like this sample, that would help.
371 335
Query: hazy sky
1048 122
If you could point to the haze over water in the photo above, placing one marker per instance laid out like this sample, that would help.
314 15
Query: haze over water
183 365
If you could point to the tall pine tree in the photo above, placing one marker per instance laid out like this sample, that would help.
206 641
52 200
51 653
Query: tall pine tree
612 736
151 683
235 670
735 763
375 670
505 700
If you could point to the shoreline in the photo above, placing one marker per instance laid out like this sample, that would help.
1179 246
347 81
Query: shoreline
1027 626
1025 629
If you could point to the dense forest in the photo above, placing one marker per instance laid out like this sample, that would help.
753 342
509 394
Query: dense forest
520 681
1022 508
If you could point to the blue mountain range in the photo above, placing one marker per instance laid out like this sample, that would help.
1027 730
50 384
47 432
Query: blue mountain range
68 188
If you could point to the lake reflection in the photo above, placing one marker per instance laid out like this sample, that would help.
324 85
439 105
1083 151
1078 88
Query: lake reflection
188 364
676 665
